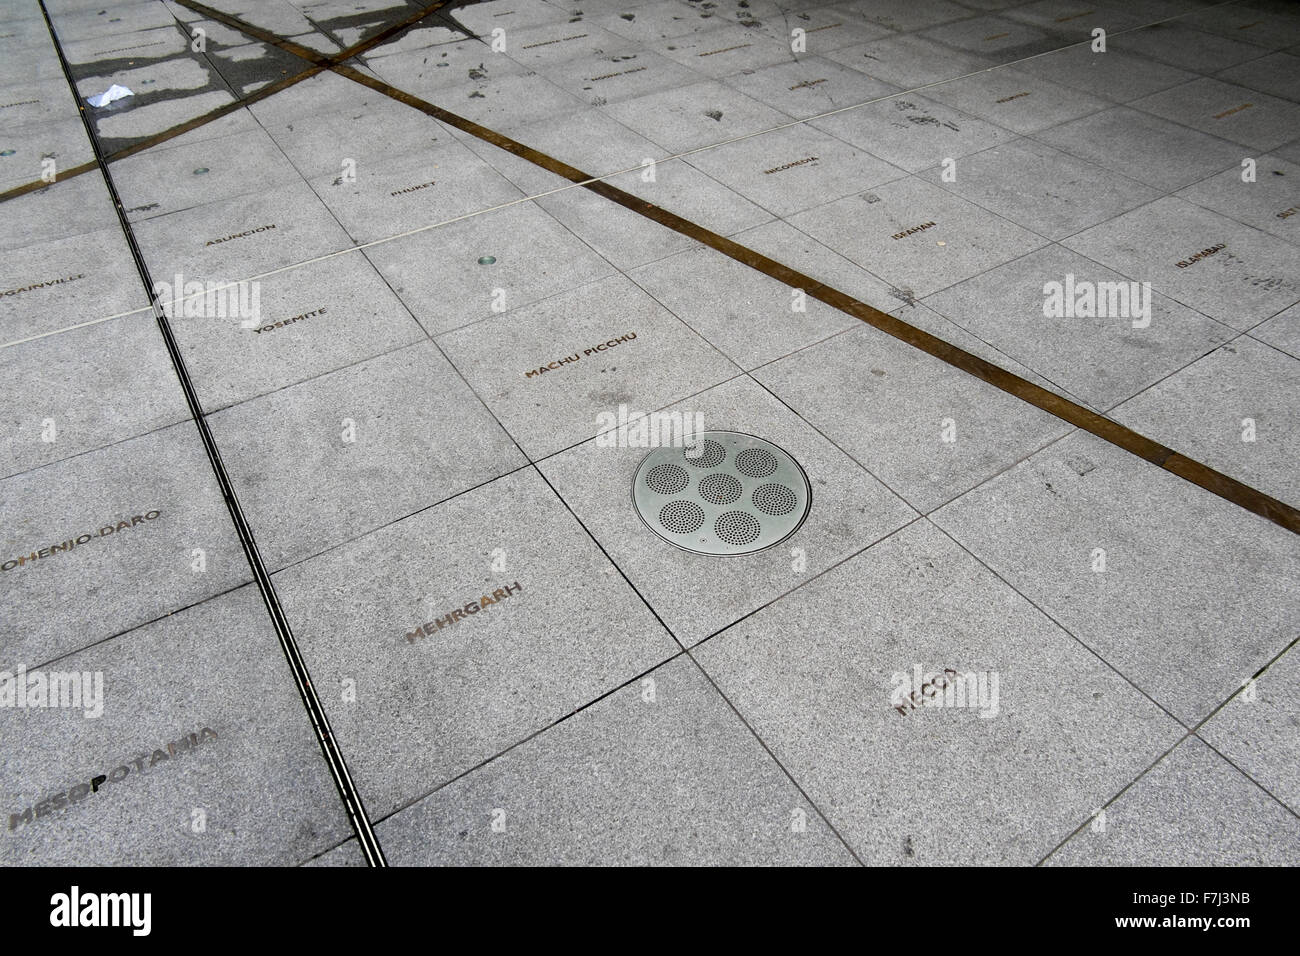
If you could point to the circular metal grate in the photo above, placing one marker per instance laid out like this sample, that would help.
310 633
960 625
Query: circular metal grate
705 453
774 499
667 479
746 494
682 517
719 488
756 462
737 527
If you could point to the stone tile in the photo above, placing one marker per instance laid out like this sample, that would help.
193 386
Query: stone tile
555 44
818 674
124 18
571 630
51 285
780 241
871 230
890 406
483 18
238 121
311 320
535 257
683 189
419 437
19 64
1249 279
502 103
1150 10
825 28
647 23
249 67
909 61
1144 147
157 65
1196 591
617 74
764 16
420 190
726 49
697 595
1256 730
28 34
276 16
1282 331
1209 410
906 15
1289 152
1232 112
620 236
119 129
1277 74
141 570
303 102
431 71
590 141
371 134
430 33
28 147
315 40
600 146
352 21
81 390
809 86
1192 809
154 183
1182 45
912 132
612 784
1016 100
238 238
72 207
1115 75
747 315
1270 203
928 320
998 38
1101 359
693 116
1073 20
794 169
579 368
216 36
256 777
1041 188
1243 22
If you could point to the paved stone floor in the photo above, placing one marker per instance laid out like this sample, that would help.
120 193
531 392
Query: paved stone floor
999 637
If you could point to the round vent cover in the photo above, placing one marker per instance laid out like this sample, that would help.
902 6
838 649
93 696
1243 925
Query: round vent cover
721 493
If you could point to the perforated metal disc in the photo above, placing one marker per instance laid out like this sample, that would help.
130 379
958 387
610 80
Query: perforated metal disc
722 493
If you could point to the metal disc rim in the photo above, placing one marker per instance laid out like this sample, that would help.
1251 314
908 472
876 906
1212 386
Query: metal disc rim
725 554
